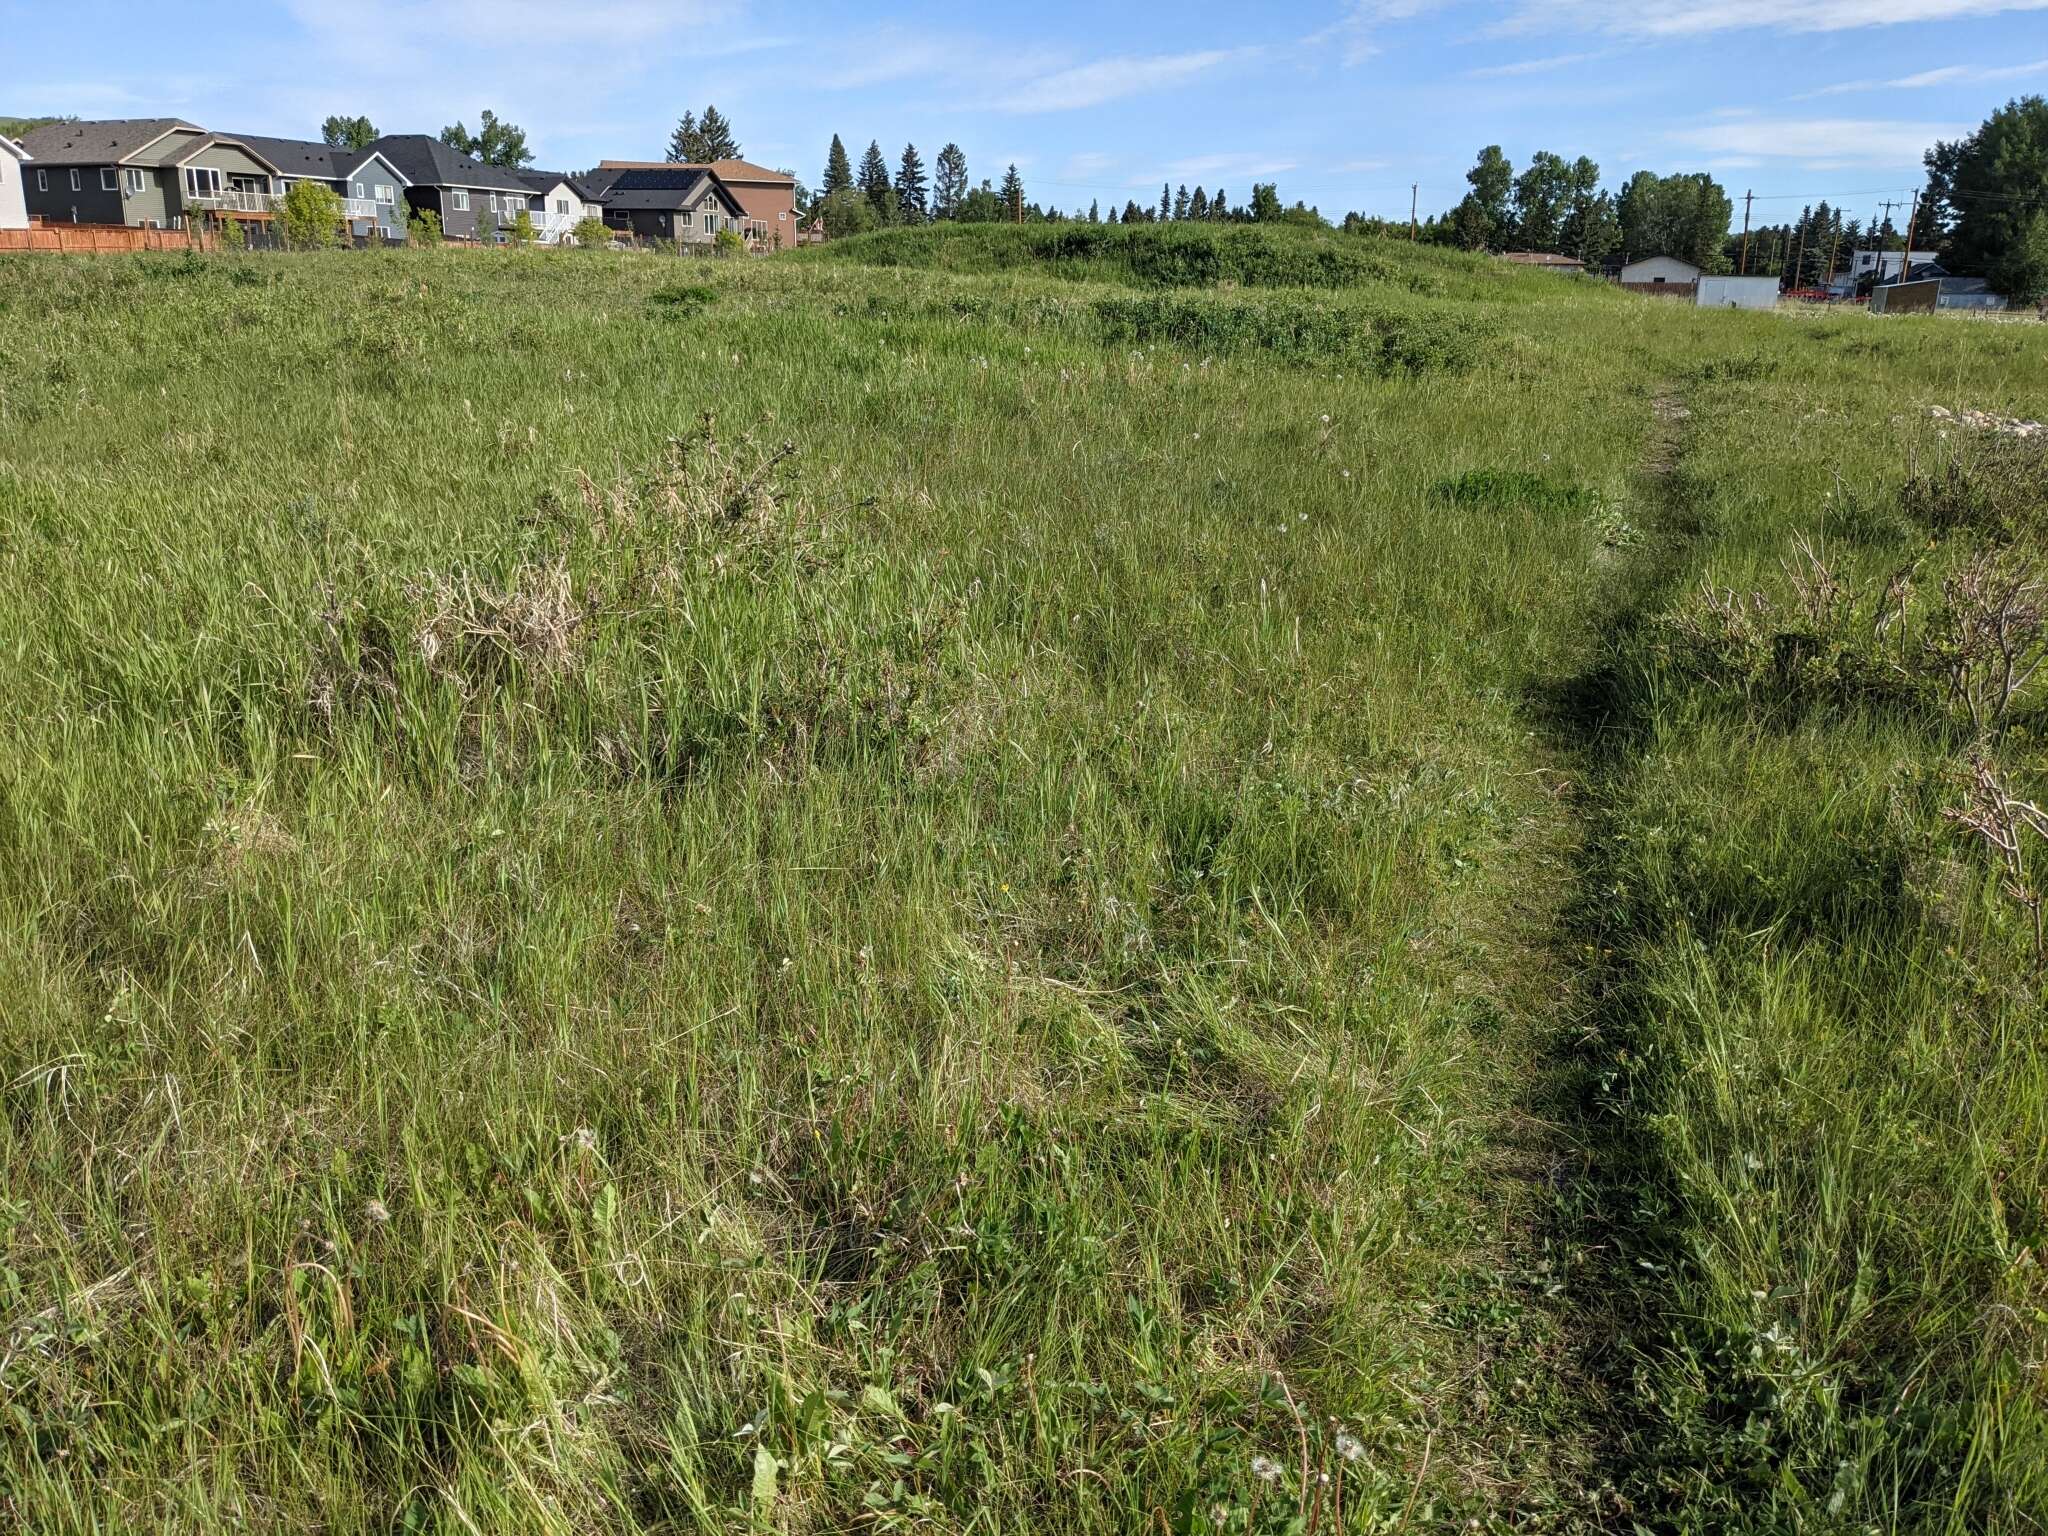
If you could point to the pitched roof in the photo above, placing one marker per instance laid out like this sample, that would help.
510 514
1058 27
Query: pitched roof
104 142
429 162
664 188
726 170
14 149
180 153
547 181
305 157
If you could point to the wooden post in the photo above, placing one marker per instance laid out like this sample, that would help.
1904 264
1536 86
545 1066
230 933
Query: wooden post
1747 199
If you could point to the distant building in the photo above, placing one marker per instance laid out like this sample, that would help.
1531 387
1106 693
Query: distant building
148 172
685 204
1882 266
767 199
1549 261
1659 271
559 203
13 199
1928 294
371 188
1736 293
474 201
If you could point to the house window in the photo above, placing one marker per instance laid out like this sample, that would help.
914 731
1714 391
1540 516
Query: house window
108 181
74 187
133 178
386 193
42 181
360 193
781 214
710 223
461 203
202 181
561 205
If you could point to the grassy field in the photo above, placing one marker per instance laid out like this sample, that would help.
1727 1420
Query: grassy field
1009 882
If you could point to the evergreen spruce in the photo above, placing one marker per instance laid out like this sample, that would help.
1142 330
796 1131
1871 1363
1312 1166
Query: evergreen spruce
1198 205
1180 203
910 187
1013 195
717 138
838 170
949 182
874 176
1219 206
1094 211
684 143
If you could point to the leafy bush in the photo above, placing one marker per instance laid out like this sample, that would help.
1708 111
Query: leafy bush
521 232
424 227
683 298
590 234
727 242
309 216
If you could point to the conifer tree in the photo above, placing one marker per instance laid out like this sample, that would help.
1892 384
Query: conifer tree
910 187
1180 203
684 143
949 182
1219 205
1198 205
874 176
1165 202
1013 194
717 138
1132 213
1094 211
838 170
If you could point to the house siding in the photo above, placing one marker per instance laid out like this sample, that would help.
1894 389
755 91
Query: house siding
13 200
389 223
61 205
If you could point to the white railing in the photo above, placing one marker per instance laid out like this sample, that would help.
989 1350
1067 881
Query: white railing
361 207
233 200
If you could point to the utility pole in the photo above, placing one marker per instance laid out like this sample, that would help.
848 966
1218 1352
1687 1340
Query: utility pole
1906 256
1414 195
1799 258
1832 245
1747 199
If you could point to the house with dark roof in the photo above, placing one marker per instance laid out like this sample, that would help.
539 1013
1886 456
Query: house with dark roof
473 201
559 202
152 172
371 188
684 204
767 198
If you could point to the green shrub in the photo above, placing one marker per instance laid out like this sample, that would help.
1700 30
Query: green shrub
424 227
309 216
727 242
590 234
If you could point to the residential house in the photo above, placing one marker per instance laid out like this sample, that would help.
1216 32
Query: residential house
1660 271
686 204
370 186
558 203
13 200
153 172
1882 266
767 198
474 201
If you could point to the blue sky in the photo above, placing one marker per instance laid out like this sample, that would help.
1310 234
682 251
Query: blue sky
1343 102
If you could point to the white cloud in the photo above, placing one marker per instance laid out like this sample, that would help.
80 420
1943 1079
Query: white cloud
1840 141
1104 80
1237 165
1740 15
1947 74
1533 66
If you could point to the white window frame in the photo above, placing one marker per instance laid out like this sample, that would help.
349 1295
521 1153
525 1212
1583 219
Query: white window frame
42 181
360 193
711 223
387 194
110 179
459 199
561 205
131 178
74 183
214 185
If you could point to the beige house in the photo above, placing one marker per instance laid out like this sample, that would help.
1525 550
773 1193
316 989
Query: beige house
13 197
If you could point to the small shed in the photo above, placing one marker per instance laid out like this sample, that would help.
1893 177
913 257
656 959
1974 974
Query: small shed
1664 276
1737 293
1932 293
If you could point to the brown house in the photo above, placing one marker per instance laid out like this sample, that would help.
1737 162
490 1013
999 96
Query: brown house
767 198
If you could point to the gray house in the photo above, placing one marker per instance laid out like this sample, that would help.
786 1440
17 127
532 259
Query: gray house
559 202
688 205
152 172
474 201
371 189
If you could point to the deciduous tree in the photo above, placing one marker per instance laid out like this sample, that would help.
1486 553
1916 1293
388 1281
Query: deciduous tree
494 142
348 132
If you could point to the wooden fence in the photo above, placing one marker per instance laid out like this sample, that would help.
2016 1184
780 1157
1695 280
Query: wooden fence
101 237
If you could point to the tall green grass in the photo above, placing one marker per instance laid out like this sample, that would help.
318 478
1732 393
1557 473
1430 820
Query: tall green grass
799 898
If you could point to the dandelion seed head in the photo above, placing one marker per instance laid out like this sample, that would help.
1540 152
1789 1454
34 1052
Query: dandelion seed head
377 1211
1265 1469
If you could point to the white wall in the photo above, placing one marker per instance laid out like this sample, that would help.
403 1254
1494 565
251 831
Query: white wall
1737 293
1651 268
13 198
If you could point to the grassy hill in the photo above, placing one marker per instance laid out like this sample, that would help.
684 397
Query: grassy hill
969 885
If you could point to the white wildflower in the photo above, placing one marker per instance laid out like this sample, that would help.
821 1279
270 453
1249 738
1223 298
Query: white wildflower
1349 1446
378 1212
1265 1469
